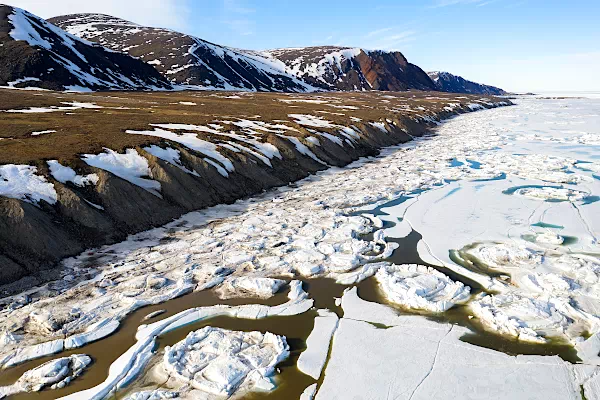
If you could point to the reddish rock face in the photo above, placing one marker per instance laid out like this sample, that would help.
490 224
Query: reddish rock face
391 71
343 68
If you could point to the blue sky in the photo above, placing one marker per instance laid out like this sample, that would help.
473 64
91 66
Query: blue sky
516 44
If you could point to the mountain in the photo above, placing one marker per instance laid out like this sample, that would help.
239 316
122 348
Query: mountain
185 59
447 82
36 53
346 68
188 60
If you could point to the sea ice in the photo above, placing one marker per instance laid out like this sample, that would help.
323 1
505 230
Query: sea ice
54 374
221 362
312 360
426 360
250 286
420 287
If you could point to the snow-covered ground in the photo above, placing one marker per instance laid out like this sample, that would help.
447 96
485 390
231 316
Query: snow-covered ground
515 213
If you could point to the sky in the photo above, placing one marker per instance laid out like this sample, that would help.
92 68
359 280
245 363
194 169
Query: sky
519 45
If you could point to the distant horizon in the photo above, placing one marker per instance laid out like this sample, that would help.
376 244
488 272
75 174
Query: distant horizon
519 46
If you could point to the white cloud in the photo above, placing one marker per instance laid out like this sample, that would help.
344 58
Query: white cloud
236 17
390 41
445 3
161 13
377 32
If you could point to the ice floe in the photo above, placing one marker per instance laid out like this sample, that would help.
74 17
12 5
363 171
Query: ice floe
427 360
53 374
312 360
250 286
222 362
420 287
131 363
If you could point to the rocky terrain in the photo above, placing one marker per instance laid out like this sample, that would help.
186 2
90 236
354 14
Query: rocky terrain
185 59
36 53
79 170
447 82
344 68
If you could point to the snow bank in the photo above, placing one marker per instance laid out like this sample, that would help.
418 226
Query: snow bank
129 166
311 120
67 174
21 182
189 140
170 155
221 362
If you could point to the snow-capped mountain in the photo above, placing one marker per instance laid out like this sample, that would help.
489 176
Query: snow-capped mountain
447 82
185 59
346 68
36 53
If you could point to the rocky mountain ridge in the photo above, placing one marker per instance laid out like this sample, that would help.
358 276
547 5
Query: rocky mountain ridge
37 53
447 82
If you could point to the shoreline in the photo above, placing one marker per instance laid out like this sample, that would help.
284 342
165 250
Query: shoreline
39 236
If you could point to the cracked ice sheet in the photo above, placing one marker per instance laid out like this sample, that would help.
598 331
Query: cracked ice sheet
425 360
480 212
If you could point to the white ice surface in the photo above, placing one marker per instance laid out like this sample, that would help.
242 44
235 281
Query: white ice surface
131 363
312 360
250 286
426 360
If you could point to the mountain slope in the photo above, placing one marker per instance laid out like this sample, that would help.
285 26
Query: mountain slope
184 59
345 68
447 82
36 53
